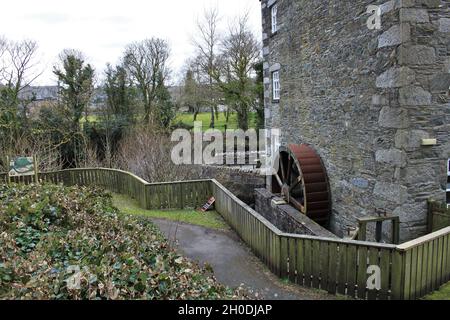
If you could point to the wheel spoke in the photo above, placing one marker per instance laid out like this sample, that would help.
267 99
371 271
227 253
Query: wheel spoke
289 171
297 204
280 182
283 170
291 188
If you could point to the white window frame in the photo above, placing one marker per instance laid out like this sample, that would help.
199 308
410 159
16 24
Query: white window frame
274 14
276 86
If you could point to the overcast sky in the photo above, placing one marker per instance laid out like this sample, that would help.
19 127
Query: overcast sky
102 28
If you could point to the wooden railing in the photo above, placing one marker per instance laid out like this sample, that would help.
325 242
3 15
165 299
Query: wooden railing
426 264
438 216
407 271
151 196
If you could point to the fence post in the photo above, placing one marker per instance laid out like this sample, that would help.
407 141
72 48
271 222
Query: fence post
398 275
8 178
430 216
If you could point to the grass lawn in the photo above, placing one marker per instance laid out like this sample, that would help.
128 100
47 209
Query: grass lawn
442 294
188 119
210 219
91 118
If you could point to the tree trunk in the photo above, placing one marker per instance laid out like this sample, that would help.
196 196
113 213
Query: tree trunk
212 124
243 119
227 115
195 115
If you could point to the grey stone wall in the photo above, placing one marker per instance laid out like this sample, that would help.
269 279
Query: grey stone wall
240 182
286 218
365 99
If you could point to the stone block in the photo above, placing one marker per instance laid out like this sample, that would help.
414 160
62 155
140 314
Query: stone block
391 192
444 25
440 82
393 118
275 67
417 55
410 140
394 36
422 174
393 157
360 183
414 15
414 96
396 77
429 3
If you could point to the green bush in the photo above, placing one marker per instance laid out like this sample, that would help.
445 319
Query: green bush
71 243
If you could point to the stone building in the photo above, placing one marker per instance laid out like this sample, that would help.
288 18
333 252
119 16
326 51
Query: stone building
366 99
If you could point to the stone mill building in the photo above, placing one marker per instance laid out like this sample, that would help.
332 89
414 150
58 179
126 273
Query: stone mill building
372 101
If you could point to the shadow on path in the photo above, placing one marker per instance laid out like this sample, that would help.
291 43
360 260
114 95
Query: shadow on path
233 263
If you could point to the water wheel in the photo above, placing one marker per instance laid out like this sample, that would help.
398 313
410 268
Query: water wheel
302 181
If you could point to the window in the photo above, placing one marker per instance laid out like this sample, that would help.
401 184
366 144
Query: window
274 19
276 85
448 184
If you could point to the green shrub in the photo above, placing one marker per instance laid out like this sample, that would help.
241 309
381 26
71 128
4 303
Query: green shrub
71 243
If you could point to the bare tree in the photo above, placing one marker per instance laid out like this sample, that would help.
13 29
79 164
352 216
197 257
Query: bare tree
235 70
2 45
207 44
147 63
147 153
195 94
2 52
18 72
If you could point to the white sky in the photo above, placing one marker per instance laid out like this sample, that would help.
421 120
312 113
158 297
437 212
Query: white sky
102 28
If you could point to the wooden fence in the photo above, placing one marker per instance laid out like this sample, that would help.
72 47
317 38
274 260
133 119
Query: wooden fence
151 196
407 271
438 216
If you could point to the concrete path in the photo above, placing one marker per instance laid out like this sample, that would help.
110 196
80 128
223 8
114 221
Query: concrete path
233 263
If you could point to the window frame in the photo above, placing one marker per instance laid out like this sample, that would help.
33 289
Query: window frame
276 85
274 18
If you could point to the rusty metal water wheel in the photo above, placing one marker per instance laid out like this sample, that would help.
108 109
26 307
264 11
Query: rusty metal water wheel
302 181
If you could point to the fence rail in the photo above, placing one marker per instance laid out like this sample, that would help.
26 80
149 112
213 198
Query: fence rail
151 196
407 271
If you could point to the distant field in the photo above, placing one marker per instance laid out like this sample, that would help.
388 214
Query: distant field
90 119
205 118
188 119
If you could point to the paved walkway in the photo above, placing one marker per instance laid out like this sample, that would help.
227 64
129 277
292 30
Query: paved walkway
233 263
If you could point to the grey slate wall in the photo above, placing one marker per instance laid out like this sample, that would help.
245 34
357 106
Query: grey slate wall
286 218
241 183
365 99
